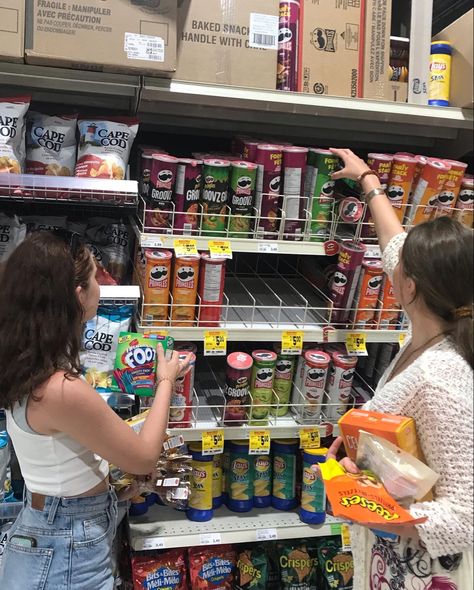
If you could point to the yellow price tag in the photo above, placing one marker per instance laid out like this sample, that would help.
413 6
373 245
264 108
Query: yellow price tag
345 537
309 438
213 442
259 442
356 344
219 249
292 342
184 247
401 338
215 343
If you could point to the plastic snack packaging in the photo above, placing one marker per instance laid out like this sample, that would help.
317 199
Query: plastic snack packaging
12 139
50 144
252 569
405 477
336 566
12 233
104 147
163 570
362 497
212 568
298 565
110 241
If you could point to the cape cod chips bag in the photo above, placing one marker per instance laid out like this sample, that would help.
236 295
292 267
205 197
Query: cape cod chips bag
12 134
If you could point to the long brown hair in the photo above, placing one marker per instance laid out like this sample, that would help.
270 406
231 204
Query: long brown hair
438 256
40 314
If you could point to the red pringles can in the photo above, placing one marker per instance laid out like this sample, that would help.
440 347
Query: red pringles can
339 385
367 294
345 279
400 183
211 290
382 165
389 313
452 187
186 195
294 203
288 38
237 383
315 371
269 160
430 185
465 203
181 405
159 202
249 150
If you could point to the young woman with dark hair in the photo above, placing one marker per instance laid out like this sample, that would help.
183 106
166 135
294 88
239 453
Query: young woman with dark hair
431 380
63 432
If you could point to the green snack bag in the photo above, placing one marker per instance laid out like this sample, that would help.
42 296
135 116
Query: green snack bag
136 360
337 567
252 570
274 577
298 565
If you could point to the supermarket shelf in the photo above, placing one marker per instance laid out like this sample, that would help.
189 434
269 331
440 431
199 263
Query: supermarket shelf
119 293
166 528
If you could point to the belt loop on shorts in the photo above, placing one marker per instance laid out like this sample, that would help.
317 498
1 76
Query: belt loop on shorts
53 509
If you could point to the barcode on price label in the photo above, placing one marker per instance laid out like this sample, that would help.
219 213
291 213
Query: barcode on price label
153 543
210 539
268 247
146 47
266 535
151 242
263 31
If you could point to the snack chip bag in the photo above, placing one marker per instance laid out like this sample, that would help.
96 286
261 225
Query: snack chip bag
99 343
12 233
12 134
45 223
336 566
361 497
252 569
298 565
211 568
104 147
165 571
50 144
110 243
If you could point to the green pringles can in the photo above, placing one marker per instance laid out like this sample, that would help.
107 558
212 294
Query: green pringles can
243 177
320 186
261 385
283 382
214 195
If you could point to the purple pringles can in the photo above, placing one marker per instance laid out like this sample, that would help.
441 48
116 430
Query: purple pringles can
288 38
294 202
269 159
159 201
345 279
186 196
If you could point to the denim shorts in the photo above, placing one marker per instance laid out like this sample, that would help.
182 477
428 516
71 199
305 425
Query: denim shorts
71 549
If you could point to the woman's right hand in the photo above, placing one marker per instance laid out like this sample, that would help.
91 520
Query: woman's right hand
170 369
346 463
353 165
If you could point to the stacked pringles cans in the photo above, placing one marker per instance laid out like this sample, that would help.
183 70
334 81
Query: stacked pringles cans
288 64
181 291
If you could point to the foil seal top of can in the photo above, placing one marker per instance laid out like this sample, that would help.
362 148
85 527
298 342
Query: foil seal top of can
323 152
195 258
267 356
185 347
240 361
421 159
295 149
164 157
344 360
190 161
185 355
406 154
384 157
244 165
206 257
269 147
440 165
158 254
468 182
455 164
406 159
373 264
350 209
216 163
354 246
318 358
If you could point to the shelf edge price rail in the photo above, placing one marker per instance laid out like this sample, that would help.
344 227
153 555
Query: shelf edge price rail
310 438
213 442
292 342
184 247
259 442
215 343
356 344
220 249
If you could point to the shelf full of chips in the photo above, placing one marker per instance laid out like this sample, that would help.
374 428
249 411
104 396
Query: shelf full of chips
68 189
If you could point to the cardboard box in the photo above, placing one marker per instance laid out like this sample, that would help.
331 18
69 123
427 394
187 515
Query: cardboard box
103 35
12 30
332 47
460 34
214 41
399 430
375 75
397 91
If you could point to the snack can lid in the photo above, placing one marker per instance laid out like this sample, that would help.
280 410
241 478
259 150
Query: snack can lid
158 254
344 360
264 355
318 358
240 360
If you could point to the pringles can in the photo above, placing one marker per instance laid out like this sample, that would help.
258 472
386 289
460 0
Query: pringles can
430 185
388 316
345 279
211 290
367 294
186 196
339 385
452 186
288 37
243 178
181 404
156 285
160 193
249 150
261 385
283 382
315 372
236 392
465 202
269 160
294 202
400 183
382 165
321 192
214 197
184 291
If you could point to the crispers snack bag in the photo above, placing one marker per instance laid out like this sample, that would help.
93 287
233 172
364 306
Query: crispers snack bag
104 147
12 134
212 568
166 571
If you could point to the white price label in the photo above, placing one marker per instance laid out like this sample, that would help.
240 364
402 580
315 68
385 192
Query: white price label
266 534
373 252
268 247
263 31
210 539
153 543
151 242
146 47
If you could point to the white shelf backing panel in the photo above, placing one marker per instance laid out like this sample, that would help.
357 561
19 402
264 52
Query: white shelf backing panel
164 528
73 87
347 121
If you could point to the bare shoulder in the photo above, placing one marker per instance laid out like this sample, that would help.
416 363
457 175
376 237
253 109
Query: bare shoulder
66 390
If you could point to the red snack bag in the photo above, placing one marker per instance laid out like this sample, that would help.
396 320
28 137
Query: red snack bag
212 568
165 570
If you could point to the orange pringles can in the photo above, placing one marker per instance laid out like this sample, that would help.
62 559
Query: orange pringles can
430 185
400 183
389 313
420 164
367 297
464 211
448 196
156 285
184 291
